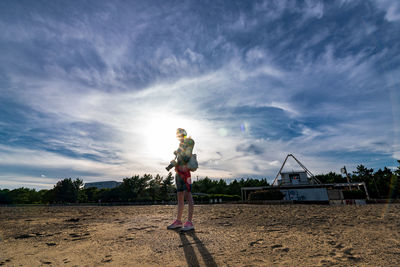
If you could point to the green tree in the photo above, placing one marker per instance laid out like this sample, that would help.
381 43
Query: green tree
331 177
5 197
41 196
48 196
395 183
67 191
24 196
210 186
92 194
221 187
134 187
105 195
167 187
397 172
365 175
383 181
155 187
82 197
115 194
234 188
253 182
203 186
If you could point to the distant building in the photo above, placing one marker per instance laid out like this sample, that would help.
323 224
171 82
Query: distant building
296 185
304 186
103 184
293 178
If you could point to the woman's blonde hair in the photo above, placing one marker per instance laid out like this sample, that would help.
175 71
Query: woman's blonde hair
181 131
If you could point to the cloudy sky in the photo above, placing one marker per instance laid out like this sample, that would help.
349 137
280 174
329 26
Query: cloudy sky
95 89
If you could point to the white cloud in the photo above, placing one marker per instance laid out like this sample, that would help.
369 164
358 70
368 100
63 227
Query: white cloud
285 106
193 56
391 8
255 54
129 115
49 160
272 10
13 182
314 8
139 119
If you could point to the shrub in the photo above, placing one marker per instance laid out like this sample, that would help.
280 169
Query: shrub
206 198
225 197
201 198
5 197
353 194
272 194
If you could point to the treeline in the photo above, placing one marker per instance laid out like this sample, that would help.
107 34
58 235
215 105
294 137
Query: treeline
137 188
134 189
211 186
380 184
384 184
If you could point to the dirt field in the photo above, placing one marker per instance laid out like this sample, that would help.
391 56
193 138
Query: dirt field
225 235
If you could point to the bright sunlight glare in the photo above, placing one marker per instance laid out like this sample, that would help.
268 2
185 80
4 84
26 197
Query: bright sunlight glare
160 134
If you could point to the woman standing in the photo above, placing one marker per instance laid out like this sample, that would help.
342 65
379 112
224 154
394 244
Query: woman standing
183 179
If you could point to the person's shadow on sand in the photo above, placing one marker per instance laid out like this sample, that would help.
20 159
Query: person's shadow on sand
190 255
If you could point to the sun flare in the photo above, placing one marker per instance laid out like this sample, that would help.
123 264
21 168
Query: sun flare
160 134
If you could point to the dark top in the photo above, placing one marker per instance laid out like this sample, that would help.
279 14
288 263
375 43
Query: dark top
184 151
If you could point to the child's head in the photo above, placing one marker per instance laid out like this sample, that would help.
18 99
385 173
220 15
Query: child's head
181 133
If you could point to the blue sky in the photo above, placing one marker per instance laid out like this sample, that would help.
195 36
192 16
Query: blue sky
96 89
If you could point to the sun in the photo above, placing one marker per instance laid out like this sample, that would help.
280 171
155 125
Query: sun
160 134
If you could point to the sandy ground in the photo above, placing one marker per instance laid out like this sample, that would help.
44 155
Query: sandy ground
225 235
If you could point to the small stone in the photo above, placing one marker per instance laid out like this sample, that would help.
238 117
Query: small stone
25 236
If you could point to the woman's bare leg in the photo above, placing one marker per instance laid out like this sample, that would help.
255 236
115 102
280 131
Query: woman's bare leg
181 203
189 198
